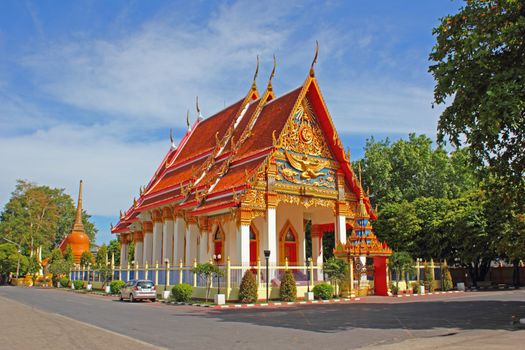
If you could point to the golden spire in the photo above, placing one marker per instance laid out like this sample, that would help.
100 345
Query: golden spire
270 88
77 226
254 85
312 73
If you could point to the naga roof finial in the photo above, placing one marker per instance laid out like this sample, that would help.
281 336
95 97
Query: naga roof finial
312 73
254 85
272 74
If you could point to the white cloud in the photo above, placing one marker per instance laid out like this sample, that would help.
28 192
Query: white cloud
112 170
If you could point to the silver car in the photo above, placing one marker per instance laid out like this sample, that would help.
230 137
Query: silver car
138 290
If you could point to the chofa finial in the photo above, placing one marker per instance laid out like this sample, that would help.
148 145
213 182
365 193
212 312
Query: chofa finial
312 73
188 119
254 85
273 73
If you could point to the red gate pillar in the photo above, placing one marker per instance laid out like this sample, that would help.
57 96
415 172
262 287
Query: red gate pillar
380 276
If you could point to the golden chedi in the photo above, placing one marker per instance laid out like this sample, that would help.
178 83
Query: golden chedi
77 238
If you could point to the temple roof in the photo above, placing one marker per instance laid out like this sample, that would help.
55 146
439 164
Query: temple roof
218 155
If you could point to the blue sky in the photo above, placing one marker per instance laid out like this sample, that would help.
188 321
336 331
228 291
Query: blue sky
90 89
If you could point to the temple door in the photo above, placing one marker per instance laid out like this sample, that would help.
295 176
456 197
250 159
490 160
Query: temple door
218 243
254 246
290 248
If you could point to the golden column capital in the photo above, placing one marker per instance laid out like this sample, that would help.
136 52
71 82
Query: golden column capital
156 215
147 226
138 236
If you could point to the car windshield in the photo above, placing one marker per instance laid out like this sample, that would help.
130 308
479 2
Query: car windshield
145 284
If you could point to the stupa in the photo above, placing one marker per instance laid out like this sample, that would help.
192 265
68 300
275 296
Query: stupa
77 238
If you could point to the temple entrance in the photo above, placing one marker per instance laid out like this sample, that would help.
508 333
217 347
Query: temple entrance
254 246
289 245
218 243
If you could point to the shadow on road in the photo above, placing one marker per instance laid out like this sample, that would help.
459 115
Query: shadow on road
331 318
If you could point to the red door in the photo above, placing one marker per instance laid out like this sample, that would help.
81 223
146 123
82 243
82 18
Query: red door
290 252
253 252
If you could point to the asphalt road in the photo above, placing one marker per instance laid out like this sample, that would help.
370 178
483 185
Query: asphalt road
452 321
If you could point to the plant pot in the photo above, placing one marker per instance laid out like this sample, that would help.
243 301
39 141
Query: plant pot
421 289
107 289
219 299
89 286
166 294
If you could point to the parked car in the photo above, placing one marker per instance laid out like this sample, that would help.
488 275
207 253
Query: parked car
138 290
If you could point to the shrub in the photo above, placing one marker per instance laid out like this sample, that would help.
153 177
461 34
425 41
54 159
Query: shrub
64 281
182 292
288 289
394 289
78 284
323 291
415 287
428 280
248 288
116 286
446 278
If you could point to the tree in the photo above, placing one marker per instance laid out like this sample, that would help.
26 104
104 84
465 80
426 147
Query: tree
86 259
479 69
39 216
336 271
248 288
114 249
68 255
401 263
101 257
9 256
33 268
288 287
206 272
428 279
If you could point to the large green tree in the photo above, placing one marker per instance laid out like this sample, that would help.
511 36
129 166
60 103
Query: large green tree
479 69
40 216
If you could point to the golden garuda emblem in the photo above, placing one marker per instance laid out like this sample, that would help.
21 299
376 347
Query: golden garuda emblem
310 169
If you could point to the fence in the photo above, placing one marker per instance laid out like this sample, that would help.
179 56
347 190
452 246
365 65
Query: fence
228 280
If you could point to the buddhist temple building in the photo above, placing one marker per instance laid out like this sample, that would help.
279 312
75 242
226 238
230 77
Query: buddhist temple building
245 180
77 238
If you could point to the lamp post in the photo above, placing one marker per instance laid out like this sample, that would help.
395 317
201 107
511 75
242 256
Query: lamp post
19 251
217 258
166 277
308 261
267 257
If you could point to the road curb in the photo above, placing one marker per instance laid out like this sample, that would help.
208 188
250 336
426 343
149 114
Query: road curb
270 304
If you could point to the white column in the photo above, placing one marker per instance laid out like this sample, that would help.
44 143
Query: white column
271 238
124 255
243 245
139 250
167 240
204 255
191 243
157 242
340 228
180 231
148 248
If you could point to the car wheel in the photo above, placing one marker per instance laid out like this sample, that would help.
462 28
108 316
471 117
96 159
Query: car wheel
153 300
120 298
131 299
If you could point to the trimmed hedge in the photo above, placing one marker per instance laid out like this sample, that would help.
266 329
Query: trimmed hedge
182 292
288 289
64 282
78 284
248 288
323 291
116 286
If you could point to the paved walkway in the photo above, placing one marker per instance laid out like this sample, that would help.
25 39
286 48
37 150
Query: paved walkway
24 327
